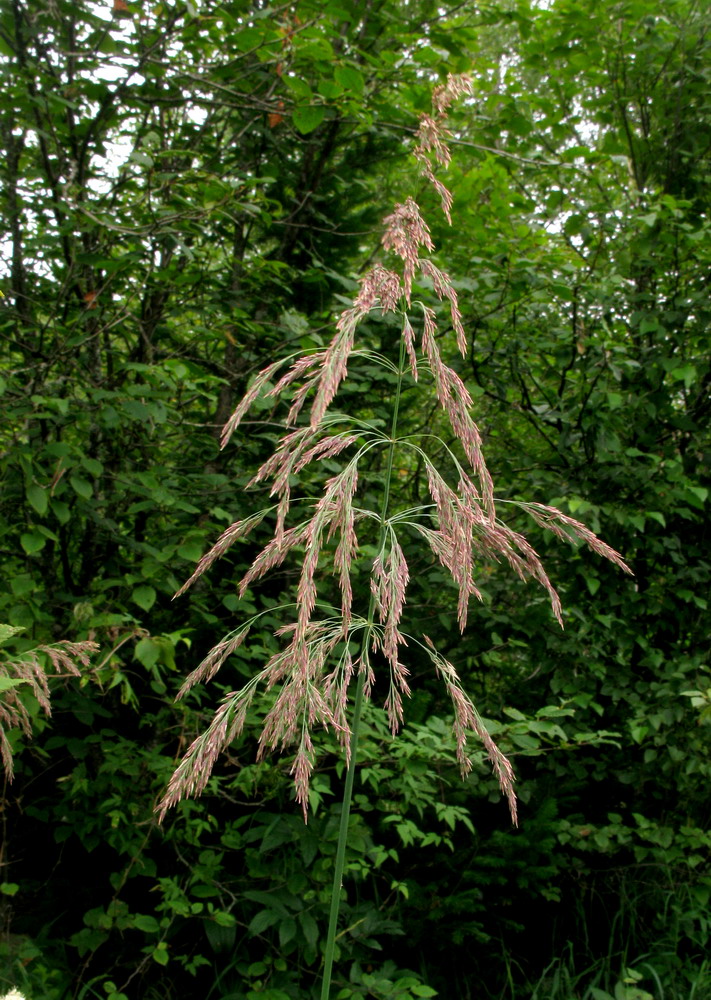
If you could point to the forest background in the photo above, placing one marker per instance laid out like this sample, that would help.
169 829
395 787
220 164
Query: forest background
190 191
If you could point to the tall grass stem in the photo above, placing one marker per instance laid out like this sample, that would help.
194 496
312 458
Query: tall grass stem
357 710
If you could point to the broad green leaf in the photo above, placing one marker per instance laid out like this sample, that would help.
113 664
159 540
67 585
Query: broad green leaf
147 650
349 78
686 373
32 542
144 596
37 497
22 585
60 510
92 466
306 119
191 550
8 631
143 159
147 923
263 920
700 493
11 682
298 87
82 487
330 89
309 927
160 954
249 38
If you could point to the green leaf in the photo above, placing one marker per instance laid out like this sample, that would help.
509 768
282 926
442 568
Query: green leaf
9 888
309 927
11 682
263 920
8 631
191 550
37 497
350 78
144 597
147 923
684 373
32 542
160 954
61 511
700 494
92 466
249 38
82 487
308 118
22 585
147 651
143 159
299 87
205 891
330 89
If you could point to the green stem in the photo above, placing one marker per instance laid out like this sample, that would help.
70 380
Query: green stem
357 710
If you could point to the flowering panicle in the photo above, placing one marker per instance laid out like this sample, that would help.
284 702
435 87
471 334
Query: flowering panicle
405 232
388 583
433 135
456 401
250 396
303 701
206 670
193 772
379 287
445 290
458 514
240 529
295 451
29 669
408 337
461 526
553 519
344 523
335 692
331 508
272 555
500 539
301 769
466 718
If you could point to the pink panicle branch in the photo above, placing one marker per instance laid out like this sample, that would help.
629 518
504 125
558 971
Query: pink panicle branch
467 719
433 135
461 526
29 669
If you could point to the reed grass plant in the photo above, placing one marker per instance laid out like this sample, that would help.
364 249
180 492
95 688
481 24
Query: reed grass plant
327 665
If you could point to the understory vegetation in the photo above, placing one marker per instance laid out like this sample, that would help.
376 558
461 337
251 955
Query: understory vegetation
194 191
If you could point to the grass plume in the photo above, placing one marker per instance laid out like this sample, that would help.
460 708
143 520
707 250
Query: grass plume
462 526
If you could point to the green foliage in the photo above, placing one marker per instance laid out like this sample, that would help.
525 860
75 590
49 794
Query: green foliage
172 223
